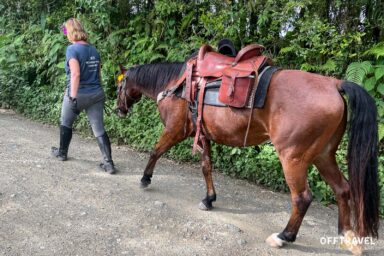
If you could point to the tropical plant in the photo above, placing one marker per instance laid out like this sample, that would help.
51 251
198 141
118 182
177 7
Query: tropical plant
370 74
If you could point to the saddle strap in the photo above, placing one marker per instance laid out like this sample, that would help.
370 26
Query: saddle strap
188 80
251 110
199 117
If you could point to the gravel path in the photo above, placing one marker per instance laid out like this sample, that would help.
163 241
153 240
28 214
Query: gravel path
48 207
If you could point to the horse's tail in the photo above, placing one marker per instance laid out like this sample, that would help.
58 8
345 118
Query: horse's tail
362 159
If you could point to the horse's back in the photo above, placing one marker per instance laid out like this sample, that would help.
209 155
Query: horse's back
297 94
299 106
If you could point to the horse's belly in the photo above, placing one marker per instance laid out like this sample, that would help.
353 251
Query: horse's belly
228 126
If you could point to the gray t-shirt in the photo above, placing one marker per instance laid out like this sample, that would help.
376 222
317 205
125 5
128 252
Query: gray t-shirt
89 61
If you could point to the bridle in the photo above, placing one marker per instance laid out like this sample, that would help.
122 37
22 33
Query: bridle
126 96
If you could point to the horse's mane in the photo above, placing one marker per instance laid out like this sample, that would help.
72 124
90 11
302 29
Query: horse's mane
154 77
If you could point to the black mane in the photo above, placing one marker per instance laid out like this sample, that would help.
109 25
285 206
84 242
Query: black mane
154 77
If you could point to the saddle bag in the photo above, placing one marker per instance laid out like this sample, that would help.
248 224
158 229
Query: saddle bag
236 87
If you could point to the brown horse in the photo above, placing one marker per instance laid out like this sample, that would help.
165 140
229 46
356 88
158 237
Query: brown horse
305 117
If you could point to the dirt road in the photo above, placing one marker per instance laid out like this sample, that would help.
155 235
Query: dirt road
48 207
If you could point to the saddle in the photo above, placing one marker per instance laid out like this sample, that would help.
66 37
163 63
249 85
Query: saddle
239 75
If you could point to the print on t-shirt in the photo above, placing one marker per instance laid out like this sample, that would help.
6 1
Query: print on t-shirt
92 64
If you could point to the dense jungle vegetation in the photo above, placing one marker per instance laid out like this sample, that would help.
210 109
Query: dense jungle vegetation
338 38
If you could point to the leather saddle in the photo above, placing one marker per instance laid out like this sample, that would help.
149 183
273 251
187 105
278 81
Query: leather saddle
239 76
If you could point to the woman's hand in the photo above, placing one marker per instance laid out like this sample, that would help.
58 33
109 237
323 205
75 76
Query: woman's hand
73 103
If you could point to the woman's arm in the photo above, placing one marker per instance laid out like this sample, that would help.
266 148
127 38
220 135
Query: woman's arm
74 66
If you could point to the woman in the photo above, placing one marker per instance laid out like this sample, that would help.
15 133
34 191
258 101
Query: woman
83 92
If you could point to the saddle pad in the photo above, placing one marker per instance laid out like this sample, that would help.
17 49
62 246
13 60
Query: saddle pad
211 96
263 85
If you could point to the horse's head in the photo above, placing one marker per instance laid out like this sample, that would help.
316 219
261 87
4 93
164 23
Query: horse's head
127 95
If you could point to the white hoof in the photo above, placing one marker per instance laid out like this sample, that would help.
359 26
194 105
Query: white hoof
350 242
274 241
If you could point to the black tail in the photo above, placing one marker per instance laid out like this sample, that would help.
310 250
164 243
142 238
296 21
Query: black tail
362 159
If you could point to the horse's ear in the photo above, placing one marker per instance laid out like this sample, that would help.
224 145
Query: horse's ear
122 69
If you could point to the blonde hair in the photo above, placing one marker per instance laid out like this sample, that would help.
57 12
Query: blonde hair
75 31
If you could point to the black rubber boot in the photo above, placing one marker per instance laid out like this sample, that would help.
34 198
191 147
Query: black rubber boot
65 139
105 148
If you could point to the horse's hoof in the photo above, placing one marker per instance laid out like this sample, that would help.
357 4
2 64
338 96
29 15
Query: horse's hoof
350 243
203 207
145 181
144 184
274 241
357 250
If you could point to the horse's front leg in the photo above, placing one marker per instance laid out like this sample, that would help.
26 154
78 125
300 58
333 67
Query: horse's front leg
168 139
206 163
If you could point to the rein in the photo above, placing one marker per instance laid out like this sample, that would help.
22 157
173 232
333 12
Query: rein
123 88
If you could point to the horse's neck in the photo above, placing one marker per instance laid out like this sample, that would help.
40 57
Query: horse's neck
148 92
153 90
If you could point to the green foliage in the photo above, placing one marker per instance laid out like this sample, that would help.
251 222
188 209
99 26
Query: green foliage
358 71
317 36
377 50
370 74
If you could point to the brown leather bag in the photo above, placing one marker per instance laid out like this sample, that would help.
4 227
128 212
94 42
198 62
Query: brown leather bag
239 80
236 87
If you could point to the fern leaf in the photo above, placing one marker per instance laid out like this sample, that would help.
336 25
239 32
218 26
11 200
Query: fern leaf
357 71
367 66
377 50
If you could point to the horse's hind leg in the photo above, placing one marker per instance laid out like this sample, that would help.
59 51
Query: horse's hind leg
167 140
330 172
206 163
327 166
295 171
